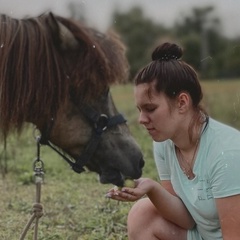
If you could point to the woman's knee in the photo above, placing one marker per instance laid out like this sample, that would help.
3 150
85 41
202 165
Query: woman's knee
139 217
143 207
145 222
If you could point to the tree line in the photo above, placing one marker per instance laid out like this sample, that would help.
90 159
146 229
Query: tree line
206 48
211 53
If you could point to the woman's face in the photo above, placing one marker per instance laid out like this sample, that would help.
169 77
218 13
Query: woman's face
161 121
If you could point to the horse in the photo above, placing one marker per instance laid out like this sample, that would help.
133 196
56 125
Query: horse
56 74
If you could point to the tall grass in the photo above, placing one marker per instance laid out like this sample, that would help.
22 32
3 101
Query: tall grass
75 206
222 100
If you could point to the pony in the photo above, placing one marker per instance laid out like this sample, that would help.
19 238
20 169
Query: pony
56 73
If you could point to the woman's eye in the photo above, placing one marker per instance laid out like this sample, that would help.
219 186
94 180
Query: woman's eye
147 108
150 109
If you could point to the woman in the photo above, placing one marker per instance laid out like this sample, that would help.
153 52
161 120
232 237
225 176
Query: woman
198 159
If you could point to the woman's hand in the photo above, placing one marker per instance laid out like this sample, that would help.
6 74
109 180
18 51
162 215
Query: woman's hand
126 194
169 206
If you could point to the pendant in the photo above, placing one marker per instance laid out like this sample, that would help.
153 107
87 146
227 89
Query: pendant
189 174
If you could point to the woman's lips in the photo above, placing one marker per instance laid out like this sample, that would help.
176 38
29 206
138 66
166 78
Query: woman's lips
151 130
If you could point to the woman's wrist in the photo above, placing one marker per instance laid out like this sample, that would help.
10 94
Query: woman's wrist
153 188
149 185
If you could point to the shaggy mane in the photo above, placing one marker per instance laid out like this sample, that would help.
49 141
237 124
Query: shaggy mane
36 76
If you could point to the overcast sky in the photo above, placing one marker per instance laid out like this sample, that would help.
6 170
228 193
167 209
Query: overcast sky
99 11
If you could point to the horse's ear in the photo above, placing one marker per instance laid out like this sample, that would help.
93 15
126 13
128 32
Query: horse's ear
62 34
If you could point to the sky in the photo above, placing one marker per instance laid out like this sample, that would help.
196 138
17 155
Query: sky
99 12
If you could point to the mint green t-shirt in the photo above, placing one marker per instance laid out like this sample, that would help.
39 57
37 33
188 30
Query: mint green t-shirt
217 175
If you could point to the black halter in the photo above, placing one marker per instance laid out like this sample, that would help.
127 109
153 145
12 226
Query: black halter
100 123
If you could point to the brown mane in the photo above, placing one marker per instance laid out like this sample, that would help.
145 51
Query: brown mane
37 74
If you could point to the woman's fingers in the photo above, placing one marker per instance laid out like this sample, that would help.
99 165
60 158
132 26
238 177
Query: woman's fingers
126 194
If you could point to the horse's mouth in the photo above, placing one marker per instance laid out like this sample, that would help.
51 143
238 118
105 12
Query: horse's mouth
111 175
114 177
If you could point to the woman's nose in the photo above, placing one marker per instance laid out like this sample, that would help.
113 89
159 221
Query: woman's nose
143 119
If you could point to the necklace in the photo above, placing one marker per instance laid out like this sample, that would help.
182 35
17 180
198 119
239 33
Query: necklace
187 166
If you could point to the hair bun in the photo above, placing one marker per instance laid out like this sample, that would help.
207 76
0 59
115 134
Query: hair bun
167 51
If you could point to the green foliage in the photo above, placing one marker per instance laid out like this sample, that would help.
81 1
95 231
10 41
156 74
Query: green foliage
139 34
75 207
231 60
192 51
199 32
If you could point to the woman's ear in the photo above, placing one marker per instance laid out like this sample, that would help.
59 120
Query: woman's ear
183 102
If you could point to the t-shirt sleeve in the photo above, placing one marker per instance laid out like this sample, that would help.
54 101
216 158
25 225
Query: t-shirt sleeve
161 162
225 174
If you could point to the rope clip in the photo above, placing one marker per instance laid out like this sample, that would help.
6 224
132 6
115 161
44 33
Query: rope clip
38 165
38 169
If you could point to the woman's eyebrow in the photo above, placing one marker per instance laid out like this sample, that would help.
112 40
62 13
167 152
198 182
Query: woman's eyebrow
146 105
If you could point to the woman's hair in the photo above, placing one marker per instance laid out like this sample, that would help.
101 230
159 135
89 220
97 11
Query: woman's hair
170 74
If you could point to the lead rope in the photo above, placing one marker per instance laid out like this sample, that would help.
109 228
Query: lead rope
38 168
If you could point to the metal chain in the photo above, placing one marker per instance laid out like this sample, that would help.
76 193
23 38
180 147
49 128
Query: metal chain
38 169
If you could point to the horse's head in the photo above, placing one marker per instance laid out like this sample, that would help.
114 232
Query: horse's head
97 137
56 74
92 131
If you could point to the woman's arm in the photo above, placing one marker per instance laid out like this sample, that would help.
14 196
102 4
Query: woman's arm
168 186
229 216
169 206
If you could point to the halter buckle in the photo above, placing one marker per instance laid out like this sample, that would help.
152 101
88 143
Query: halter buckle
102 123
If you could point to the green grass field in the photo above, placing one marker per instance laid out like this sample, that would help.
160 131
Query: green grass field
75 207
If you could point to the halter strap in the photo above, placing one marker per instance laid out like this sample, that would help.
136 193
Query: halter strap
100 123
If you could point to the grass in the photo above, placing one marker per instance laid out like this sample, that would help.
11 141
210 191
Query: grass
222 100
75 207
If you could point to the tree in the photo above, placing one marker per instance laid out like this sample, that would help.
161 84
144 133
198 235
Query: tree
139 34
199 32
201 25
231 60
